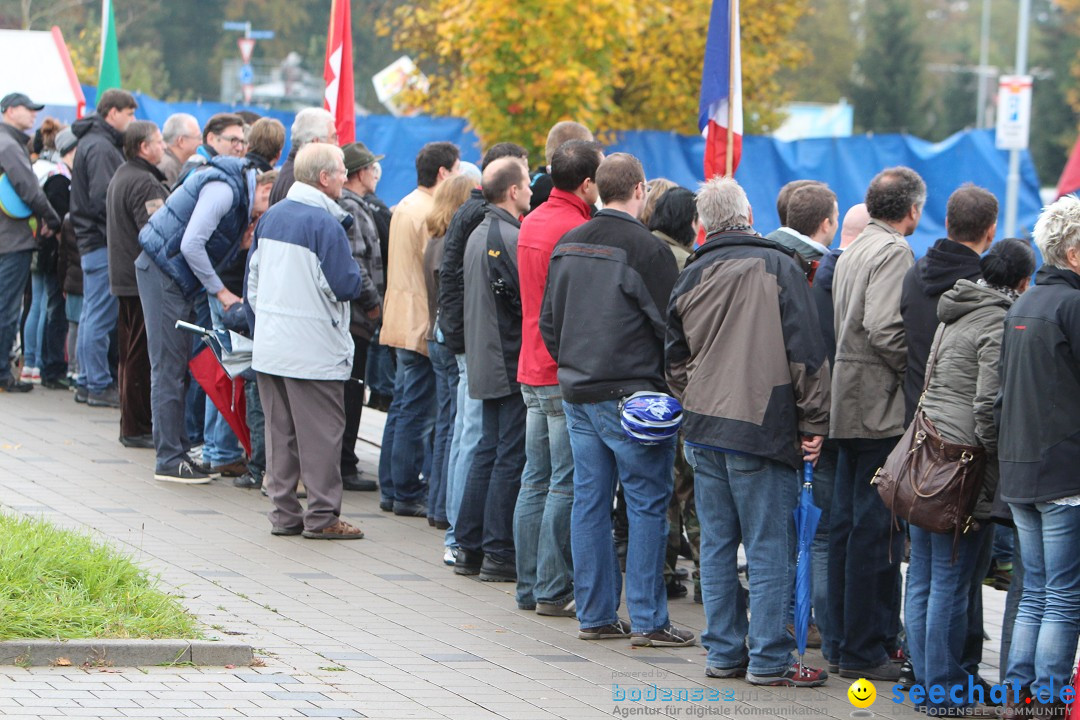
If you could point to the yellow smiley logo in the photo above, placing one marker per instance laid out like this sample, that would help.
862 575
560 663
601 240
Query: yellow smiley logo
862 693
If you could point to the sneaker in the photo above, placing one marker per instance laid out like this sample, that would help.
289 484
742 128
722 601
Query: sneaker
109 398
554 610
35 376
340 530
247 481
887 671
798 675
449 557
670 636
57 384
81 393
11 385
184 472
615 631
726 673
26 374
492 569
410 509
233 469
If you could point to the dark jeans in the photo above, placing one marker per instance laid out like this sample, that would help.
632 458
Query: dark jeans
1012 602
486 519
863 606
973 643
380 367
256 427
14 271
133 383
446 379
406 446
354 406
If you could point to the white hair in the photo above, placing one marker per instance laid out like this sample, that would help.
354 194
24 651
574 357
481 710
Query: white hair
310 125
316 158
1058 230
722 204
178 124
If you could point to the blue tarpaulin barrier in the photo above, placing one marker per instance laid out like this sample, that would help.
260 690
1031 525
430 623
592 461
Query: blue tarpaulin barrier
846 164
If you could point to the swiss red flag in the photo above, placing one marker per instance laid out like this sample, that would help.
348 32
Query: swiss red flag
338 72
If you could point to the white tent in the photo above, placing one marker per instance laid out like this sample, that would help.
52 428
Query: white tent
37 63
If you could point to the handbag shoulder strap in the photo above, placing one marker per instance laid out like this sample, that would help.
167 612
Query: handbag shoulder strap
932 361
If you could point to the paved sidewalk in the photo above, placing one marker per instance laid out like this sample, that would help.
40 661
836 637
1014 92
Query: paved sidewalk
375 628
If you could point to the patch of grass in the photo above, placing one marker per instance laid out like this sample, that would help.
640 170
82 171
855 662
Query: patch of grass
55 583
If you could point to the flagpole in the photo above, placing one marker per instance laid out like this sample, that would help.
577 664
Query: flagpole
729 155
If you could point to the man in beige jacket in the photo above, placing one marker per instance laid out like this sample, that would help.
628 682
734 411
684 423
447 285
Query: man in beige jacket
867 417
409 422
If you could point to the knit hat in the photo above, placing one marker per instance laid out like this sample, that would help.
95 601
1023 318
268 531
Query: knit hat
66 141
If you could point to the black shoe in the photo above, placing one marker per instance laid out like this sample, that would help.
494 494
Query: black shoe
676 589
354 482
410 509
288 531
109 397
495 570
81 394
54 384
386 505
468 562
248 481
907 676
670 636
13 385
726 673
146 442
887 671
442 524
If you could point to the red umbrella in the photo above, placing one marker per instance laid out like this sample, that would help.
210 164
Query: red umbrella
226 393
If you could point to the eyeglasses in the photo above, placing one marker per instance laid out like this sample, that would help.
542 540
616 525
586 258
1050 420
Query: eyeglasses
234 140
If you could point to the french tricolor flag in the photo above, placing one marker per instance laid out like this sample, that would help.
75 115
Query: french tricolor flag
720 107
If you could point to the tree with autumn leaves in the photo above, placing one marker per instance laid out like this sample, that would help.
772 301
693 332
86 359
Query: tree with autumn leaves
514 69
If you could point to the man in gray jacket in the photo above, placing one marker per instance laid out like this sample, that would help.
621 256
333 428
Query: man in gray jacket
484 528
16 233
867 417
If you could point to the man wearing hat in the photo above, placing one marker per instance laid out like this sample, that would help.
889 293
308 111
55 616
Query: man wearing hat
21 199
364 239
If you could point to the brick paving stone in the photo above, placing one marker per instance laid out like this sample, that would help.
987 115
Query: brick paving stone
415 640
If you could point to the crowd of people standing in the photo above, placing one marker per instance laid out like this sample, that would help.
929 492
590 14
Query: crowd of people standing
582 390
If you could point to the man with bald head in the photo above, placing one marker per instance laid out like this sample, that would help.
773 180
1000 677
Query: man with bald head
484 528
855 221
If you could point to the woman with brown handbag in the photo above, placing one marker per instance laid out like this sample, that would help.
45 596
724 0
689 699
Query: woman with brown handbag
959 400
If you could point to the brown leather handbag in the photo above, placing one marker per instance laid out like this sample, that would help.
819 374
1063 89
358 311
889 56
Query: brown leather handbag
928 481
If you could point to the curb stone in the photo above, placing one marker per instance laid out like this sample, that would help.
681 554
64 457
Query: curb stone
123 653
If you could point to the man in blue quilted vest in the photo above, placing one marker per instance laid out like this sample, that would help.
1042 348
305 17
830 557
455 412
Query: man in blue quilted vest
199 229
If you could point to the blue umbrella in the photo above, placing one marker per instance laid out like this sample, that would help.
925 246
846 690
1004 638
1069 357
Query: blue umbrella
807 516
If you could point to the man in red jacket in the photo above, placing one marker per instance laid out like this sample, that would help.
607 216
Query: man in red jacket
542 516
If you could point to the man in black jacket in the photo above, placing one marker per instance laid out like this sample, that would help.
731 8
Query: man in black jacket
603 320
136 191
16 236
970 221
101 142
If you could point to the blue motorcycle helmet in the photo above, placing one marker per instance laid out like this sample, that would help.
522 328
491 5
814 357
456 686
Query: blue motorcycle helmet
650 417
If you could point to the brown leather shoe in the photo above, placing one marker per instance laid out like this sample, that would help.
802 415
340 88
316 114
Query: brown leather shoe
233 469
340 530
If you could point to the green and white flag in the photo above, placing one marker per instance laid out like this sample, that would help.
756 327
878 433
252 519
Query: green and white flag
109 69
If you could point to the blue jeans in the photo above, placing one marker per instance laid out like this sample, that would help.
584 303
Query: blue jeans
220 444
936 606
406 445
1048 619
604 455
748 499
1003 544
446 380
380 366
98 321
34 327
14 270
468 426
545 562
486 517
863 597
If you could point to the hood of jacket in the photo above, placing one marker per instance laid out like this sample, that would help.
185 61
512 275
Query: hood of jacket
966 297
946 262
1049 275
95 122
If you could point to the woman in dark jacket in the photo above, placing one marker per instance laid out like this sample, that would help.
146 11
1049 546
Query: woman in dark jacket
959 400
1039 452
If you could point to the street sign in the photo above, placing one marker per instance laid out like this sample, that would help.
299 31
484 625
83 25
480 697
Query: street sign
249 90
241 26
247 75
246 45
1013 112
261 34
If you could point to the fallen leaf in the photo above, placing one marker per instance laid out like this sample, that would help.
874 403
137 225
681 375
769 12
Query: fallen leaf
63 662
230 667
